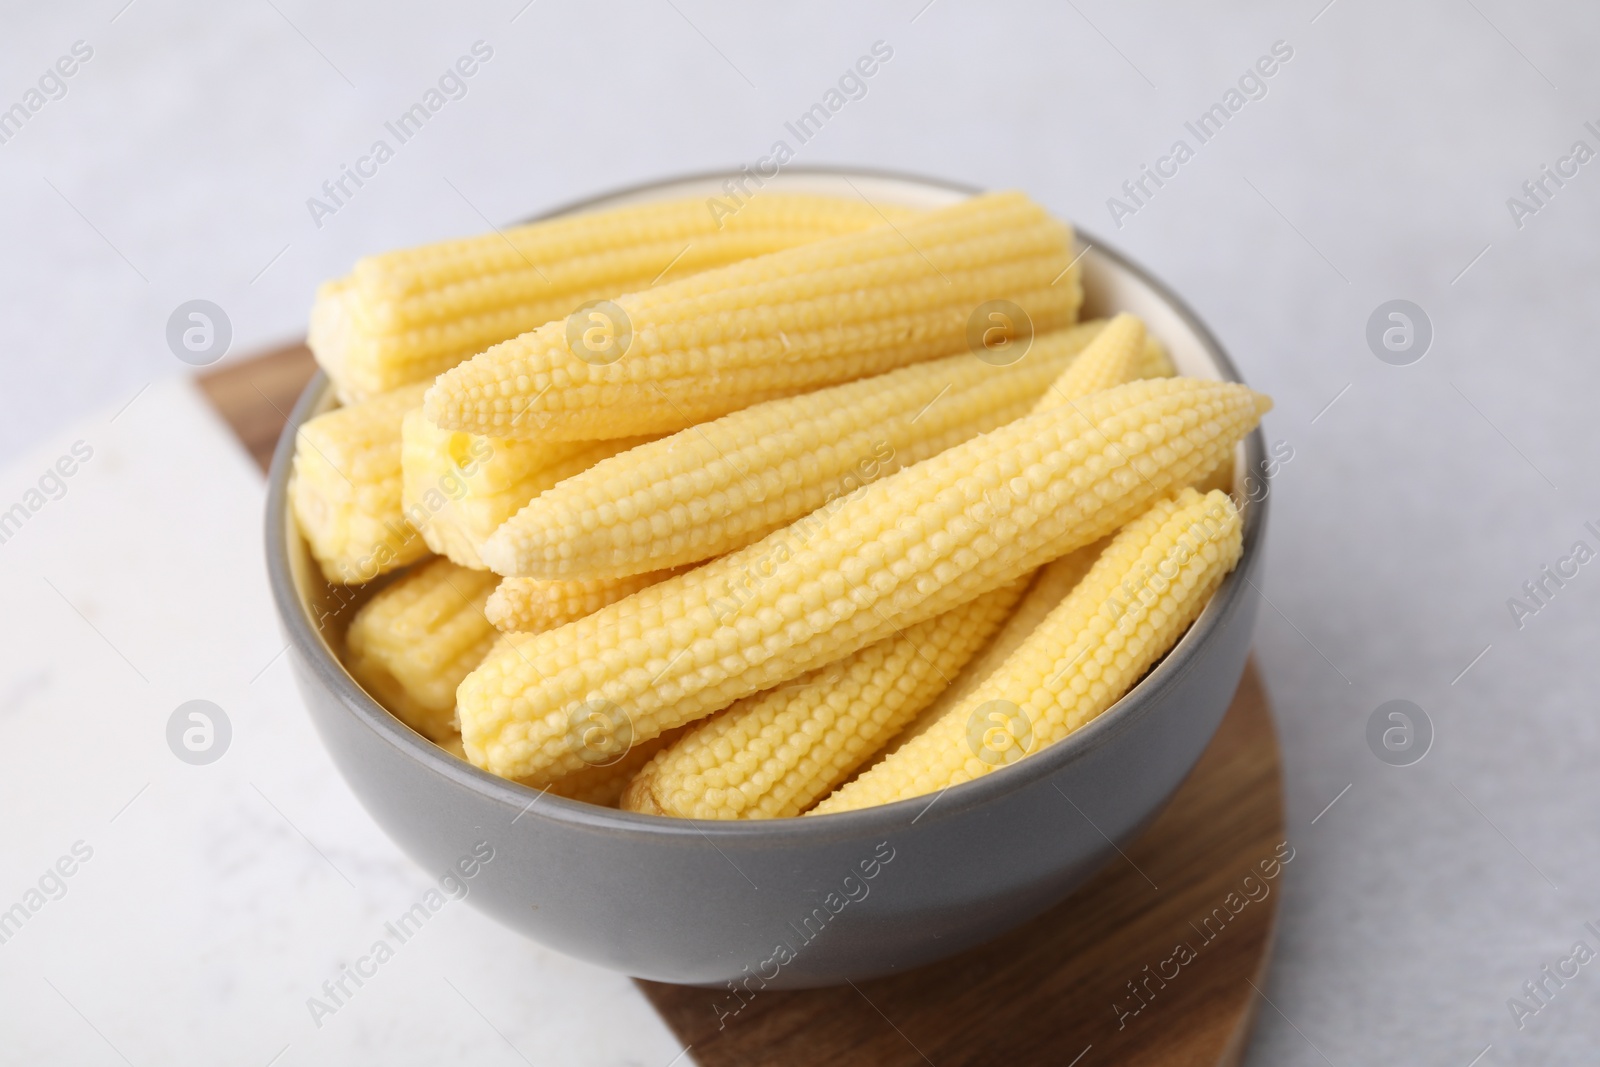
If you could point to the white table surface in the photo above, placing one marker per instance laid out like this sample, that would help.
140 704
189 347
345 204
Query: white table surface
216 900
1378 166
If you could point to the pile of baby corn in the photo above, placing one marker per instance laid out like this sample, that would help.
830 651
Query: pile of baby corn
824 505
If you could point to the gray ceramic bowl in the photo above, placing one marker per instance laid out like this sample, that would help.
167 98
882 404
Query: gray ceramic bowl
810 901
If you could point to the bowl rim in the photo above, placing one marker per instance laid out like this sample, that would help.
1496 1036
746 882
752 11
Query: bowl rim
1136 704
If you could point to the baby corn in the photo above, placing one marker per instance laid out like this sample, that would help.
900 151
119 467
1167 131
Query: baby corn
405 316
345 489
532 605
1047 588
716 487
776 753
847 307
1116 355
458 488
1120 353
1128 611
413 642
915 544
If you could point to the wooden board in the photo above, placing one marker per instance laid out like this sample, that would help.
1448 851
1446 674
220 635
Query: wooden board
256 395
1097 980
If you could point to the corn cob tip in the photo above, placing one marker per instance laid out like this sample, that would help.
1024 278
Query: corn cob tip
638 796
1125 329
1119 353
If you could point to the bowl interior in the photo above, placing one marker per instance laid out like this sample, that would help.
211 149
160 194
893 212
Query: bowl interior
1112 283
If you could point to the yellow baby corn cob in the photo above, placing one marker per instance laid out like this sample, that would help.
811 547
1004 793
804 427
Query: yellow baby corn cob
1120 353
1136 601
407 315
457 488
345 488
1156 362
776 753
721 485
411 645
1116 355
917 543
532 605
843 308
1049 585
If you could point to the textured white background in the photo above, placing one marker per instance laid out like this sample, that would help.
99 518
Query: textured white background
1378 166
